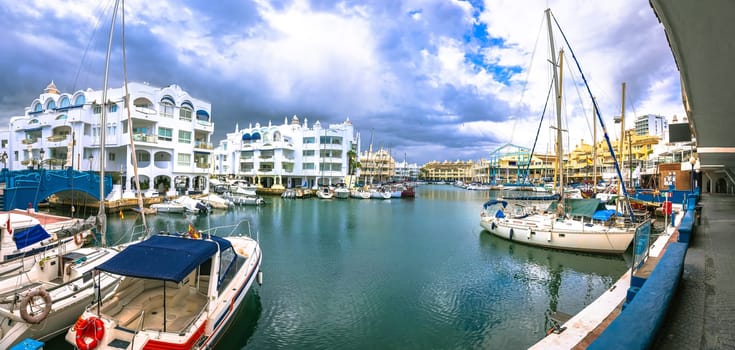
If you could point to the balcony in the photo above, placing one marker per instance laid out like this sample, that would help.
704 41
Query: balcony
29 141
145 138
57 138
202 165
203 145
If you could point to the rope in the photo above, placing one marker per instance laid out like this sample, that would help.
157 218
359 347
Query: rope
602 122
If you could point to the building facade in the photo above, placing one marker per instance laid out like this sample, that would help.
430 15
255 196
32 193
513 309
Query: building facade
288 155
170 129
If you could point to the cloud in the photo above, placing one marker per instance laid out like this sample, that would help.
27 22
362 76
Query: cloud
431 80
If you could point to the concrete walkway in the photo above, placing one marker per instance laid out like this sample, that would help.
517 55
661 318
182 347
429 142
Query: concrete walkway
703 314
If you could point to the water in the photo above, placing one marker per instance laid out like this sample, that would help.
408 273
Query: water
401 273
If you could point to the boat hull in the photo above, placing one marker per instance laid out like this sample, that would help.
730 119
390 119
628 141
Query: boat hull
562 235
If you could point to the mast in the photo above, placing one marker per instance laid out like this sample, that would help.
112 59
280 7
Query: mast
622 139
558 91
101 214
134 156
594 148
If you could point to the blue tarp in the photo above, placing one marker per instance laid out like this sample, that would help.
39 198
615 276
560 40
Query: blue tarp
603 215
163 257
29 236
494 202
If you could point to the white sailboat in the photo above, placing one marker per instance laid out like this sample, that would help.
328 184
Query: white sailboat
570 224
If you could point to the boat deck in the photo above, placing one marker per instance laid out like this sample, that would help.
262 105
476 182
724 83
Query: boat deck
137 308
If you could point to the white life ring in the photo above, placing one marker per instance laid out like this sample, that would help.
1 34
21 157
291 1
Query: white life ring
28 302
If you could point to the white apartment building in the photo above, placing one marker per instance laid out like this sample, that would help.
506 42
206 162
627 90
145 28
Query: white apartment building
170 129
651 124
288 155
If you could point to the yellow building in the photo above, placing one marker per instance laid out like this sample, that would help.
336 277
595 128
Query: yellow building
447 171
377 167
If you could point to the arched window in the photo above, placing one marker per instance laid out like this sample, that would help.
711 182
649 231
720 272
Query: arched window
64 102
37 107
51 104
166 107
80 100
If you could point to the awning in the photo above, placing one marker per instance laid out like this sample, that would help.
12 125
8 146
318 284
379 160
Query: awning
31 235
256 136
246 137
166 258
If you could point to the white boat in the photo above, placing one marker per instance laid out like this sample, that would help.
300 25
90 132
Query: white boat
587 227
242 196
359 194
570 224
176 292
45 300
216 201
325 193
192 205
380 193
168 207
19 235
341 192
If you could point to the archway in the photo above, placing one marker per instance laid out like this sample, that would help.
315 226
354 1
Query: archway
145 182
200 183
161 184
182 184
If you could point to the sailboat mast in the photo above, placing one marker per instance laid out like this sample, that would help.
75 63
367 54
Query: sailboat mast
557 90
101 214
622 139
594 148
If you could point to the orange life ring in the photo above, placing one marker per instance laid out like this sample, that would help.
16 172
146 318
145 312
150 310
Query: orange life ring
89 332
28 301
78 238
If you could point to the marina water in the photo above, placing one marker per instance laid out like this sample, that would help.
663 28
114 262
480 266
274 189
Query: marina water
394 274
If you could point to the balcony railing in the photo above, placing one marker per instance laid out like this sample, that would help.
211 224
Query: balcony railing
145 138
29 141
203 145
56 138
202 165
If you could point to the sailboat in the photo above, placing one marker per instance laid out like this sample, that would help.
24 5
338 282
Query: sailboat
568 224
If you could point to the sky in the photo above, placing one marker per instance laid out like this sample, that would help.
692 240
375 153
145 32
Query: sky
424 79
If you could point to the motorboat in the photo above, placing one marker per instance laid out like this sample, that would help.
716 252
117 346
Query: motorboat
325 193
176 292
168 207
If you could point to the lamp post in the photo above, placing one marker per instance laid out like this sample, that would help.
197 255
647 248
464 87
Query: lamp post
41 153
692 161
91 157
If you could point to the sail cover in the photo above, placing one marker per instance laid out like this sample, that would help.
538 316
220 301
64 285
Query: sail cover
31 235
163 257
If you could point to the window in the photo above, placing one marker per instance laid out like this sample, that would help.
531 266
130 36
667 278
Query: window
185 114
308 140
97 109
111 157
80 100
183 159
165 134
51 105
184 136
113 108
167 109
308 166
307 152
64 102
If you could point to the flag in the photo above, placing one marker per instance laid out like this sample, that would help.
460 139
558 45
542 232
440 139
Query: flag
193 233
8 227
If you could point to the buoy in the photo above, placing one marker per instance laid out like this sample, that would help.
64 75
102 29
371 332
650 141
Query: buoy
122 216
259 277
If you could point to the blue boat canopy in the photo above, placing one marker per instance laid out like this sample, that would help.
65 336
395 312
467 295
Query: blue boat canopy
494 202
31 235
166 258
604 215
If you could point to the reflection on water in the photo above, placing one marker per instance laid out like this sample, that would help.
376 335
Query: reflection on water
408 274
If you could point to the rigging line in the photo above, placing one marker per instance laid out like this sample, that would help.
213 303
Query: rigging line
528 74
95 29
602 122
548 95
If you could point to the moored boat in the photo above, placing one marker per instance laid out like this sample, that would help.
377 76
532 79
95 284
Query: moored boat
176 292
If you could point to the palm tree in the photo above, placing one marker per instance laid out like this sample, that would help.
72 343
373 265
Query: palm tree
354 163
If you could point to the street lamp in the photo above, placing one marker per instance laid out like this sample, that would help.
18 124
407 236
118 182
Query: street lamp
692 161
41 153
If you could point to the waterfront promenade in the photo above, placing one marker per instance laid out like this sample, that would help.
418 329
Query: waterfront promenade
703 312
